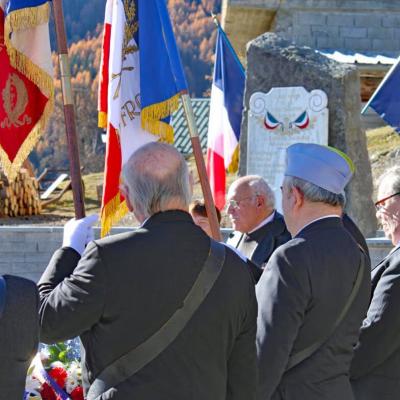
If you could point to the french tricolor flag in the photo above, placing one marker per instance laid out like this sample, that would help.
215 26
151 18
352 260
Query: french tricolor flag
225 117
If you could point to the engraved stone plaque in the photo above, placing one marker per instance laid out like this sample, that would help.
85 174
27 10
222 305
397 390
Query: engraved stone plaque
277 119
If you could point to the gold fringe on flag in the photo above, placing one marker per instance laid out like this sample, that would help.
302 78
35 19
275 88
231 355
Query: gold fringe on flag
234 165
111 213
29 17
152 116
19 20
11 169
102 119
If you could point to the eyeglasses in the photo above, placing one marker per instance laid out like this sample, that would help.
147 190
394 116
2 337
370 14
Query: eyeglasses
235 204
380 203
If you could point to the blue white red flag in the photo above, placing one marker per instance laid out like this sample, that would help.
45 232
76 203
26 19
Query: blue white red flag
225 117
26 79
141 79
386 99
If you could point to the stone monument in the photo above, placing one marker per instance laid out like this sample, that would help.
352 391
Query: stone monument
276 63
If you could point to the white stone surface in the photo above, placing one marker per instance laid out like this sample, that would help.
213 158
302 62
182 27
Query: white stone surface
278 119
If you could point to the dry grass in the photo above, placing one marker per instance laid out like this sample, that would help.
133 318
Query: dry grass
384 150
61 211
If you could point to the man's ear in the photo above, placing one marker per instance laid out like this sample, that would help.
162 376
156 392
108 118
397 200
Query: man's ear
298 197
125 192
260 200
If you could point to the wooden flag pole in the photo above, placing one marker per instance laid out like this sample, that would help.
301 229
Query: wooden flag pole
201 168
69 112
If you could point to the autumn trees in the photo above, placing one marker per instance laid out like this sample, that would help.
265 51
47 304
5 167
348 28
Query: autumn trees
195 34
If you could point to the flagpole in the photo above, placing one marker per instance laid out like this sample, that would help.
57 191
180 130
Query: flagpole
69 113
201 167
228 42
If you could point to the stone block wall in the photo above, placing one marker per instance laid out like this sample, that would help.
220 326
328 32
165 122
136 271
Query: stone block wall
355 26
25 251
351 30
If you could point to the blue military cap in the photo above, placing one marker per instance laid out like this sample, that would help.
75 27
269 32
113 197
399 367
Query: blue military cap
324 166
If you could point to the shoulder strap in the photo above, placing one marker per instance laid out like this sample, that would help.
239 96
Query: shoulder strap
2 295
137 358
302 355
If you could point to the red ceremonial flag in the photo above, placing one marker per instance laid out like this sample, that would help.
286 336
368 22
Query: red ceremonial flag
26 82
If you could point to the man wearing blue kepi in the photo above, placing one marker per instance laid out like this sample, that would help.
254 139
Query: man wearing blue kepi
315 289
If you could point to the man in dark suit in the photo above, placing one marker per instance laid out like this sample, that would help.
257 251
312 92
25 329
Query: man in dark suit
375 370
19 333
355 232
315 289
125 287
259 228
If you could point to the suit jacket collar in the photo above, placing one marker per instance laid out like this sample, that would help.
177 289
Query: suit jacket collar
324 223
261 243
382 262
168 216
275 227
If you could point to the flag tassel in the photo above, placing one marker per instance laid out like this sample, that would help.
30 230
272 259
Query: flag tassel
152 116
112 212
29 17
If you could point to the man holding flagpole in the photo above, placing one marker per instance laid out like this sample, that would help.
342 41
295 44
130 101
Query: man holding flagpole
163 312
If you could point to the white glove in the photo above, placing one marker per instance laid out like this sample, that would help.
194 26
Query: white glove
241 255
78 233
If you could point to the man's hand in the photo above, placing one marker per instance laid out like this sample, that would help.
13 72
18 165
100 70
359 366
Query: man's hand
78 233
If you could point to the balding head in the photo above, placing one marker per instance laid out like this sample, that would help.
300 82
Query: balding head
156 178
250 201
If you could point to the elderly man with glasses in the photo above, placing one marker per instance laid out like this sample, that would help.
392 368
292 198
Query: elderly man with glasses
375 369
259 228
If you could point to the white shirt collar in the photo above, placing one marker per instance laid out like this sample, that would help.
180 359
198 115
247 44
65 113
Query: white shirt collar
264 222
142 224
317 219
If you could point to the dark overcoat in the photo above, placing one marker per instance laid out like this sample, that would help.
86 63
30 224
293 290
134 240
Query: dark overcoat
127 286
354 231
259 245
375 370
19 335
303 289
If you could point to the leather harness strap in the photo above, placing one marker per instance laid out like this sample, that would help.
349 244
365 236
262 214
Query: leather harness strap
302 355
135 359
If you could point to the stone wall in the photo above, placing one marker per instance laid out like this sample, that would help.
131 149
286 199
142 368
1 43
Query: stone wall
25 251
356 26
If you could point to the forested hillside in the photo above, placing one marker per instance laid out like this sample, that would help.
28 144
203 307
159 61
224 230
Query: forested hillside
195 35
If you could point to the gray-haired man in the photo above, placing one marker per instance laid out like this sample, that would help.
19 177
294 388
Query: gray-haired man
259 228
126 289
375 370
315 289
